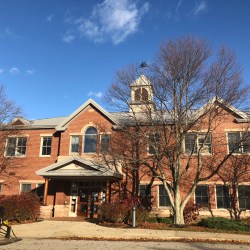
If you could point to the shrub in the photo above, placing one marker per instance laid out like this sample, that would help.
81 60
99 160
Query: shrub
121 211
224 224
190 213
166 220
20 207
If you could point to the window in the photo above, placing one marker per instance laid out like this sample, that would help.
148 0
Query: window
222 196
75 142
141 94
198 141
144 190
201 195
105 142
25 188
244 197
239 142
153 143
16 146
90 140
46 146
163 197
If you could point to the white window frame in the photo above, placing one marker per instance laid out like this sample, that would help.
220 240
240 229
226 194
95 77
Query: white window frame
197 143
70 145
41 145
215 187
83 141
148 142
16 146
25 183
158 191
241 144
238 195
101 135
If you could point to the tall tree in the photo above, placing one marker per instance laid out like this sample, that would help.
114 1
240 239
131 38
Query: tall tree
8 111
192 91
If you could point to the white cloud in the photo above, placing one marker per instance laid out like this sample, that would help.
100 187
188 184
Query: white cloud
201 7
7 32
14 71
111 19
98 94
68 38
30 72
49 18
1 71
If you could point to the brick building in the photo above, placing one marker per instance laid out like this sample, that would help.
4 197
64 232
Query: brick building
61 160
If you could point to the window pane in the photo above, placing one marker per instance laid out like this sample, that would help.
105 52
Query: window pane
75 141
163 197
244 197
222 195
201 195
105 143
204 143
144 190
25 188
90 140
46 148
153 143
21 146
11 146
190 143
234 142
246 142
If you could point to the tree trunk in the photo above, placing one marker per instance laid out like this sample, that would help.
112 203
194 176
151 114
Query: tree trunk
178 211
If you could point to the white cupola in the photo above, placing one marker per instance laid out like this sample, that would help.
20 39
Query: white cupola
141 95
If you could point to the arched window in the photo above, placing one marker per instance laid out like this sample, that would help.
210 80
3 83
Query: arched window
144 94
141 94
90 140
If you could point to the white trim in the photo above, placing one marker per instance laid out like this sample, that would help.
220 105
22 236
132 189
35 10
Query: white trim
70 140
83 140
63 125
46 135
16 156
41 145
32 181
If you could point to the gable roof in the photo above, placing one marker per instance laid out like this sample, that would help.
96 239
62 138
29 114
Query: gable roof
224 104
63 125
77 167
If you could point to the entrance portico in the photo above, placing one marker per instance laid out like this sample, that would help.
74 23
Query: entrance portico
77 187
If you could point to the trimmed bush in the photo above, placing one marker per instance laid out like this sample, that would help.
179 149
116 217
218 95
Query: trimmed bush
21 207
224 224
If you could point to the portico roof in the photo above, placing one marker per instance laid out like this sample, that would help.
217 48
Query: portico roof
77 167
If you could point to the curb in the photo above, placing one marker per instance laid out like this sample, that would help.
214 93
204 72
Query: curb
9 241
145 239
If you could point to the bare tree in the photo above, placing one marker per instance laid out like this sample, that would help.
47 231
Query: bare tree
8 111
192 90
237 172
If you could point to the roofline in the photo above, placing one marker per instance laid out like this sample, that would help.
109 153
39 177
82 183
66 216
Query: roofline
62 125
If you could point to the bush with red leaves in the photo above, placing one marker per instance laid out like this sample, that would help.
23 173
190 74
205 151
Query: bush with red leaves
20 207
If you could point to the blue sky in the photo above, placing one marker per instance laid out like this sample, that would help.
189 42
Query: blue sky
55 54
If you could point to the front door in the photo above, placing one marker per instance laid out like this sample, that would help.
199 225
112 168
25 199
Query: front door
89 201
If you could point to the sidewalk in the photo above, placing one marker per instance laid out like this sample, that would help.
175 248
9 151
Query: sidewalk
87 230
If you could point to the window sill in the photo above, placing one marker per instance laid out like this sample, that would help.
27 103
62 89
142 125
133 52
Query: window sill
44 156
15 156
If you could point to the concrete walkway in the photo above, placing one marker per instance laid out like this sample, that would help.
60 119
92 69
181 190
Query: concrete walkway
87 230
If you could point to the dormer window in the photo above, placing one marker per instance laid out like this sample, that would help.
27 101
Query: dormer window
141 94
90 140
